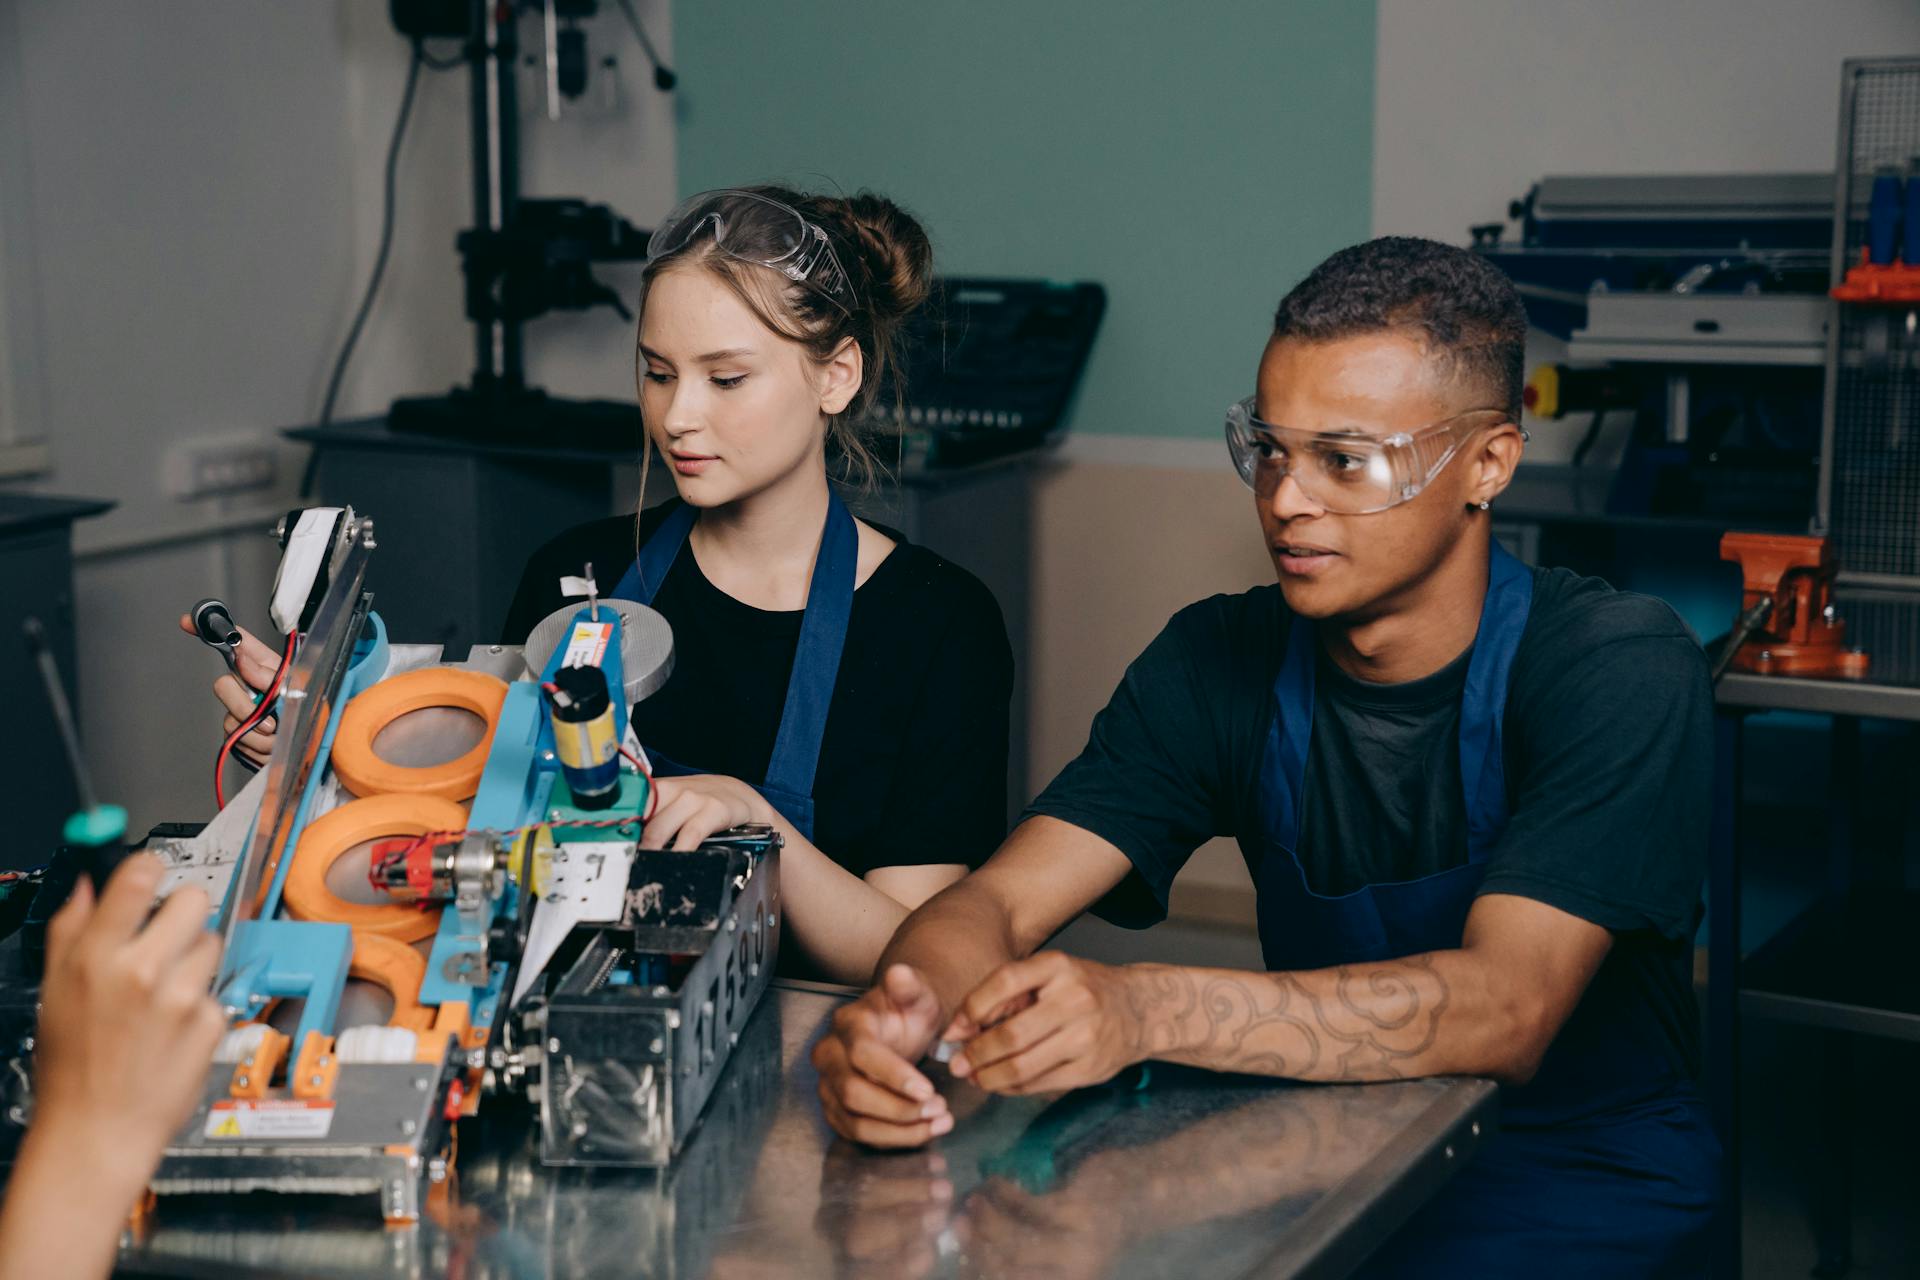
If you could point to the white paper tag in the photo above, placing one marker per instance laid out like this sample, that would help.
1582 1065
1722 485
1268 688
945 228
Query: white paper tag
587 644
269 1118
578 587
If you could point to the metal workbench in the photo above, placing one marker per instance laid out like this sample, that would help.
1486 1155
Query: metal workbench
1190 1175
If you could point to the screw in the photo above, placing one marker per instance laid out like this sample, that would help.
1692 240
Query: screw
242 1082
547 756
314 1081
657 1046
1476 1128
408 1127
493 648
579 1128
322 1060
1449 1151
420 1083
553 1045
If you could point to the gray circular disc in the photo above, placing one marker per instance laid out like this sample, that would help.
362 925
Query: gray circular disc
646 645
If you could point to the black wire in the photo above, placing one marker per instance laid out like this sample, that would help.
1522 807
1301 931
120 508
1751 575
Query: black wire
663 76
1593 433
439 64
418 60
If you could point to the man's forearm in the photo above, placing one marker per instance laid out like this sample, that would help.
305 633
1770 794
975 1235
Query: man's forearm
1045 875
1438 1013
955 939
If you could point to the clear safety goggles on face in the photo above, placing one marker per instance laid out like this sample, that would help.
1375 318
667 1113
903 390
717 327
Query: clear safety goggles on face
757 229
1348 472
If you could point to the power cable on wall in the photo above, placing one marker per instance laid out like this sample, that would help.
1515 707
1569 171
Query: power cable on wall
418 60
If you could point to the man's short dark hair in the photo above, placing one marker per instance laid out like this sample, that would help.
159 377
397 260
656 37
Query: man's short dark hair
1468 313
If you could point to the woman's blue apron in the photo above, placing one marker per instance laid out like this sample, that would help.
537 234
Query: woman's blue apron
1606 1164
788 786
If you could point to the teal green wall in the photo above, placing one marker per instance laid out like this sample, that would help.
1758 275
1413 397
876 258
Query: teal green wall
1195 158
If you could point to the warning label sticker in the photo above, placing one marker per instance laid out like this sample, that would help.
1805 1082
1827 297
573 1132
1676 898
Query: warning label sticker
269 1118
587 645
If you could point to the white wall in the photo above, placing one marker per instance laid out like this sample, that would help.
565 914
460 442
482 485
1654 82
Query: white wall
1475 100
189 206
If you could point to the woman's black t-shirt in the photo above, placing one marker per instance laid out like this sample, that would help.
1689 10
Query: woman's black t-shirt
913 765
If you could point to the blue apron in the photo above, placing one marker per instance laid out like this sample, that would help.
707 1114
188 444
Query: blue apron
1606 1165
816 660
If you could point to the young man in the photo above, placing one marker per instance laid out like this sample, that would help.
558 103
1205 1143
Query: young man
1473 796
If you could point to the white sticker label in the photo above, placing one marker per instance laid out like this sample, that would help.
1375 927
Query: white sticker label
269 1118
588 644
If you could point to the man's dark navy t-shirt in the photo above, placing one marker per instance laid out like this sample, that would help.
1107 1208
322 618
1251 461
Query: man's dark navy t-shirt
1608 746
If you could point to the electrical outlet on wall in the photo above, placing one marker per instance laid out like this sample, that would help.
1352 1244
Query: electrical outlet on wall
206 466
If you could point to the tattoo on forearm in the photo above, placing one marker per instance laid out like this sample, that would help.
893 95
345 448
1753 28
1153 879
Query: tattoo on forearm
1357 1022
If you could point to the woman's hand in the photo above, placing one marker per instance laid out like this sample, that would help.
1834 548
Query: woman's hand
257 662
692 808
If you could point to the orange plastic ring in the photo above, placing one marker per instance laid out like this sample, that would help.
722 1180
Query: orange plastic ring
333 833
365 774
399 970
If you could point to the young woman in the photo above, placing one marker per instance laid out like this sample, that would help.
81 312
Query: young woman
830 678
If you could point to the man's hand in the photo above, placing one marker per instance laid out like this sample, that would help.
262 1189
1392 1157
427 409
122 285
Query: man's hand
692 808
1045 1024
869 1088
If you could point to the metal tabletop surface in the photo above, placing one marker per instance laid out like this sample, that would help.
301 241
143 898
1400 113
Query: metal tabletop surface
1188 1175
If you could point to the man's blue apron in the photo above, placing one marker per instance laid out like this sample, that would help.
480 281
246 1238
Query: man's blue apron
816 661
1599 1167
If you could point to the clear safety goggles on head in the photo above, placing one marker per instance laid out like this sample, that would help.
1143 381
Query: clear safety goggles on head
1348 472
757 229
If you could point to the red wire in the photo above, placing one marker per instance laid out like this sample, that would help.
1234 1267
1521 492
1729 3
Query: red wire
248 725
653 792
